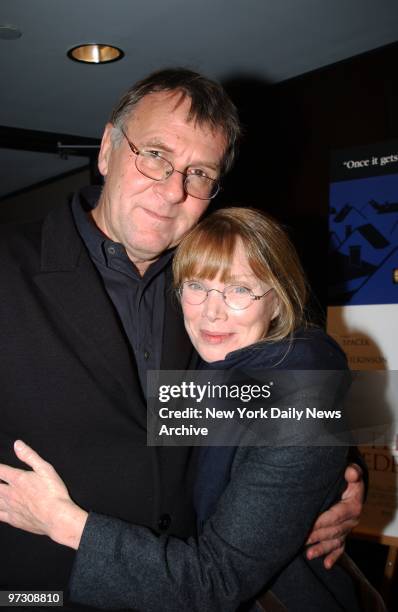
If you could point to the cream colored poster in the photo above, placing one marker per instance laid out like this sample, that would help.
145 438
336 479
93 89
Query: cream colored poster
367 335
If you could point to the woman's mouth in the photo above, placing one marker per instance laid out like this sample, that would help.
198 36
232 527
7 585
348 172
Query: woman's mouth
214 337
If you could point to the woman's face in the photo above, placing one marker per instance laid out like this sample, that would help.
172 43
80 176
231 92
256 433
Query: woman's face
214 328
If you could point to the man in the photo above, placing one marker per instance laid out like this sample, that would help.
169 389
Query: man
86 310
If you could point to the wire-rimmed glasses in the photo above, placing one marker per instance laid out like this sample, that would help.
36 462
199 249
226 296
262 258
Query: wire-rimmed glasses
154 166
236 297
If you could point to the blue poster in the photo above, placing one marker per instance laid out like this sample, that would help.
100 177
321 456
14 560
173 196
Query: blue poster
363 226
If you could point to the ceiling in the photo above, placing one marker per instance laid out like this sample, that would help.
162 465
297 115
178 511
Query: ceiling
272 40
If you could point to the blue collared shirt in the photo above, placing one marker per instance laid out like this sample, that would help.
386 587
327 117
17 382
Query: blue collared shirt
139 300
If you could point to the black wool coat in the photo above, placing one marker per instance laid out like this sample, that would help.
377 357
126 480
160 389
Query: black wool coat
70 388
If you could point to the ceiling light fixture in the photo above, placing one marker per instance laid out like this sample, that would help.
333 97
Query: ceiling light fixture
95 54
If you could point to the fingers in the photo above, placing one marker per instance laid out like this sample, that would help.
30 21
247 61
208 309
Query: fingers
353 473
6 497
4 490
347 510
333 551
332 532
332 557
8 474
324 548
354 493
332 517
26 454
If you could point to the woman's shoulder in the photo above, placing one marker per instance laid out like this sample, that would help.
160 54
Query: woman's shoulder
313 347
306 348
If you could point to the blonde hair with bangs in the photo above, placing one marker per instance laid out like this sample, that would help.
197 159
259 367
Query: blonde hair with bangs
208 250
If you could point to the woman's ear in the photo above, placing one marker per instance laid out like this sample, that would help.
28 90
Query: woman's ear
276 307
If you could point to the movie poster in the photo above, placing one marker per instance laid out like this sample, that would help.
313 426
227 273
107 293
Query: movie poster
363 300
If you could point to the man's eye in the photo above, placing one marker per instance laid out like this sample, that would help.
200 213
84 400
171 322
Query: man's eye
197 172
153 153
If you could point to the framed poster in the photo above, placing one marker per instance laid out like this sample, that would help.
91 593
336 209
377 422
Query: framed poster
363 301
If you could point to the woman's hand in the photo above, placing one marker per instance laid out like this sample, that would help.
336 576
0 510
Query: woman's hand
38 501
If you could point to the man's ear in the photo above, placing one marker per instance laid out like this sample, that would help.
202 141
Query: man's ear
105 150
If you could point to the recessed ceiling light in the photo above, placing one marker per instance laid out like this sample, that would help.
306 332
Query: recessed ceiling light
9 32
95 54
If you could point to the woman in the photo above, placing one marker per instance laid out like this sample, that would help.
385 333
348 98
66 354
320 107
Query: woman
242 293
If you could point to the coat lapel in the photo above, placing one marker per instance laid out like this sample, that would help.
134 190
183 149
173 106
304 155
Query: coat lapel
81 309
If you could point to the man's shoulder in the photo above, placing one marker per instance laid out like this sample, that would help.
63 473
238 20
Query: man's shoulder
24 242
17 236
20 246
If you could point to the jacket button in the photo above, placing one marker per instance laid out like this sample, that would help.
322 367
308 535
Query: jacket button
164 522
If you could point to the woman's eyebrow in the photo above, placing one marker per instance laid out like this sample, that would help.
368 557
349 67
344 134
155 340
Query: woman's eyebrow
241 277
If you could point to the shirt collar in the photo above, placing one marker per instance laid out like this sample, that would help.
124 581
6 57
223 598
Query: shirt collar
101 248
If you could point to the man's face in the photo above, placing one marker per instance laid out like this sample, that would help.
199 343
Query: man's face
145 215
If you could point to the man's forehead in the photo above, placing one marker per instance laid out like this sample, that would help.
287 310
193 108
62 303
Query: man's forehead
168 105
171 101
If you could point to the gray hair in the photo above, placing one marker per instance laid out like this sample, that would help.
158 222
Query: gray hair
210 105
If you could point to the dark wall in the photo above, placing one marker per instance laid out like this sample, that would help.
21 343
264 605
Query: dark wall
33 204
291 130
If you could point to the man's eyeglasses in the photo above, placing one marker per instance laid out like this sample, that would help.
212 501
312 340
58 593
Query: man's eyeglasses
152 165
236 297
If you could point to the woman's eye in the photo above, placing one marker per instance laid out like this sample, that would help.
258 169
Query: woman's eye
241 290
194 286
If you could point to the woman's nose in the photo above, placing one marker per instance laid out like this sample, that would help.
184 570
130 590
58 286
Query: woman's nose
214 307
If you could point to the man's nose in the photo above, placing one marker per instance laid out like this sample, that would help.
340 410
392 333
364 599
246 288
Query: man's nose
214 307
172 189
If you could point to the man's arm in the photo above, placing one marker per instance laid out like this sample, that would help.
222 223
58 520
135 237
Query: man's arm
331 527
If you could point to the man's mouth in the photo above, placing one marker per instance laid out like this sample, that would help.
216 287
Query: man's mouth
156 216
